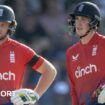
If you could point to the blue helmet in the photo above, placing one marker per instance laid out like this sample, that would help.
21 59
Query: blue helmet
7 15
88 9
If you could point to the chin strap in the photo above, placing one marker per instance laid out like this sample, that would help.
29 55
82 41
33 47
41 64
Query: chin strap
91 27
2 38
85 34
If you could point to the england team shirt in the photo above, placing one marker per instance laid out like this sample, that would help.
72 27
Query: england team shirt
86 69
14 57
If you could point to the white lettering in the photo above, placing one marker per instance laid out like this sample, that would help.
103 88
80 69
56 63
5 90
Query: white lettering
4 93
86 70
7 76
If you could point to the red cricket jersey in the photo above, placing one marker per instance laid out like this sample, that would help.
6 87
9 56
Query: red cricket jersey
14 57
86 69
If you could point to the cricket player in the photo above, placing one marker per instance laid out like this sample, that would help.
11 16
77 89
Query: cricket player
85 59
14 59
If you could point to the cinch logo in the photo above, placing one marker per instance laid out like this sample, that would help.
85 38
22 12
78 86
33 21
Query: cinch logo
80 72
7 76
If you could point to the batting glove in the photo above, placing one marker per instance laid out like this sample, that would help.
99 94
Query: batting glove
101 96
24 96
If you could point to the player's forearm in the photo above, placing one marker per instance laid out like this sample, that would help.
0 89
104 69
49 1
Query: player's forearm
45 81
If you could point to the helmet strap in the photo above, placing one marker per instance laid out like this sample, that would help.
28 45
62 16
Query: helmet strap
91 27
85 33
3 37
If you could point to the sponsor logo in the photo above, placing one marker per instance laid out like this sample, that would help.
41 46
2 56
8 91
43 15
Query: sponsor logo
4 93
80 72
7 76
75 57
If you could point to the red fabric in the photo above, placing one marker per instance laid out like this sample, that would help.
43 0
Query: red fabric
72 85
14 57
39 62
86 69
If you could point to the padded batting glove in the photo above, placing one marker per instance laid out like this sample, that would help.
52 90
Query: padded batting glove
99 93
101 96
24 96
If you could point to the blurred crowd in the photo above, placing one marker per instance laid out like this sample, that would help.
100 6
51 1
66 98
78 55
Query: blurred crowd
42 25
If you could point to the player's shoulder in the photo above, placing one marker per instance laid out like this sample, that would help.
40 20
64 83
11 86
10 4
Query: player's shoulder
18 44
101 38
73 48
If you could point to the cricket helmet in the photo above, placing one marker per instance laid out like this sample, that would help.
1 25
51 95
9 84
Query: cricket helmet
88 9
7 15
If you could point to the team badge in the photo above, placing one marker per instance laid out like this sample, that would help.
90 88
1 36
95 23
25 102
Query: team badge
12 57
94 50
1 12
81 7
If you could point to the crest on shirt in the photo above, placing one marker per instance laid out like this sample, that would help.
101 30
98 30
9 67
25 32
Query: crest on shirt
12 57
75 57
94 50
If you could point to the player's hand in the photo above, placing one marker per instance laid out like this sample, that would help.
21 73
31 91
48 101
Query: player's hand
24 96
99 94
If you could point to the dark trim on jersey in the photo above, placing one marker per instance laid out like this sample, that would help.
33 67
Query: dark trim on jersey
34 60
